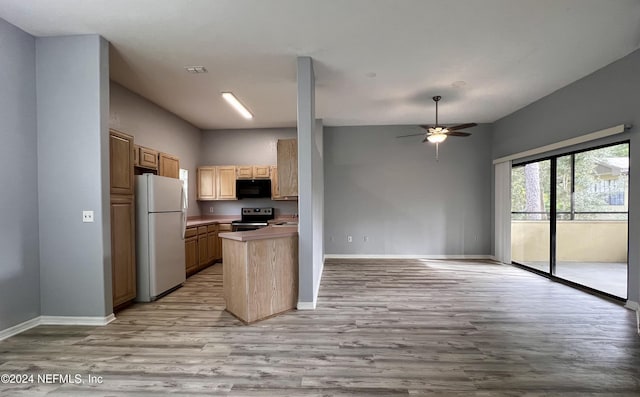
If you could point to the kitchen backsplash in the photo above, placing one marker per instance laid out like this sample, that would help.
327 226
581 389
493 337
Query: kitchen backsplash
234 207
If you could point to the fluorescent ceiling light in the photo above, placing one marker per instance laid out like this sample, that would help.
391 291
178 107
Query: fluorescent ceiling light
196 69
233 101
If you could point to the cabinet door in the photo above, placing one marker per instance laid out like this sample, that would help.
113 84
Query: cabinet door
227 183
244 171
136 157
275 191
191 255
261 171
168 165
203 255
288 167
223 227
212 247
148 158
207 183
123 256
121 162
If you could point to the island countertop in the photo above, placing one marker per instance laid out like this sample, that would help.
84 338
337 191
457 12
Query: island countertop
260 276
273 231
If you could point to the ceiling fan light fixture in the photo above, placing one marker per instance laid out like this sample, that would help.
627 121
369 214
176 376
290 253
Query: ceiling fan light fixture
438 130
437 137
233 101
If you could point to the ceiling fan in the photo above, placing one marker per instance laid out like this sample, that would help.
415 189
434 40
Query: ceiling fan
438 133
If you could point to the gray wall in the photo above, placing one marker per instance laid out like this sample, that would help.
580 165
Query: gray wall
73 150
310 188
243 147
156 128
19 258
317 189
608 97
393 191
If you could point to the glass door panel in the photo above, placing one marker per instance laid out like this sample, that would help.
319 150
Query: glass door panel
530 221
592 214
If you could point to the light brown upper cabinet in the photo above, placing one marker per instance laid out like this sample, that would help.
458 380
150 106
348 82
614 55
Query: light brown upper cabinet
168 165
121 162
207 183
261 172
227 182
275 188
244 171
217 183
288 167
253 171
147 158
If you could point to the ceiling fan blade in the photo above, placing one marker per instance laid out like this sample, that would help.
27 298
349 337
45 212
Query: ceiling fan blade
405 136
426 138
458 133
461 126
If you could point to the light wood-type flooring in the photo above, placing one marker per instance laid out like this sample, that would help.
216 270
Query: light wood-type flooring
382 328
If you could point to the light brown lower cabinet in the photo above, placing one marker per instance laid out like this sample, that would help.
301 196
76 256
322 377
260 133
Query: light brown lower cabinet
123 254
202 247
191 250
212 243
203 256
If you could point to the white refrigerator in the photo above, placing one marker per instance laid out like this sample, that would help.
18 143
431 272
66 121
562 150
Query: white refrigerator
160 224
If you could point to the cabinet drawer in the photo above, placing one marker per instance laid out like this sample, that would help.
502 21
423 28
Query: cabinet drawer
226 227
212 228
190 232
202 230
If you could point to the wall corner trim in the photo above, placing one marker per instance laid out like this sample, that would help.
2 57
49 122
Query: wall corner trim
306 305
55 320
636 307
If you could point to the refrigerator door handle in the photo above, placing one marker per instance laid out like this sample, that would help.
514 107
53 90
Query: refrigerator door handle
184 211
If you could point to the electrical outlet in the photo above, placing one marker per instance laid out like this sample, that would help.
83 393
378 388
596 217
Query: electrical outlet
365 239
87 216
349 239
211 210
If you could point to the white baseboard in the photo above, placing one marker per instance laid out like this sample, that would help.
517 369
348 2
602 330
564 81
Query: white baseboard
73 320
55 320
362 256
16 329
306 305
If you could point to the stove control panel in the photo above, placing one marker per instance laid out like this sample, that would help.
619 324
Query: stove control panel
257 211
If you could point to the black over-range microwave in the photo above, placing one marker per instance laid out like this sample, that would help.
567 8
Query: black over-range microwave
253 188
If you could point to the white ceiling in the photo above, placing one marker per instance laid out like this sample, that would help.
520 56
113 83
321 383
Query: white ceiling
376 61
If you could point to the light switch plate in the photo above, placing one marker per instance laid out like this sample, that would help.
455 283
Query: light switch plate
87 216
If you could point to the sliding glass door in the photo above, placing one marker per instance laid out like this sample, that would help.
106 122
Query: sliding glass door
572 210
530 214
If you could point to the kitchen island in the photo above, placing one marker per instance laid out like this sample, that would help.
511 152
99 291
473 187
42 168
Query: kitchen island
260 273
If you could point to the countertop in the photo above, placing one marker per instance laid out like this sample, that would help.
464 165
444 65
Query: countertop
273 231
210 220
213 219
